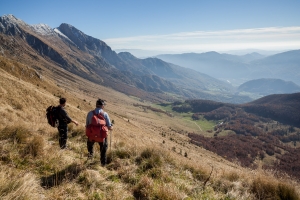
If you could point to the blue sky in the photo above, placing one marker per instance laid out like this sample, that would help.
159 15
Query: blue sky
172 25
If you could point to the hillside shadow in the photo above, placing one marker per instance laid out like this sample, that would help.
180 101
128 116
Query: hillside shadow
67 174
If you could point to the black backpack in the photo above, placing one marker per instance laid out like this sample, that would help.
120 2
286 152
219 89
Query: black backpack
52 113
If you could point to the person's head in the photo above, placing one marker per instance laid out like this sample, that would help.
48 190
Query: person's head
62 101
100 103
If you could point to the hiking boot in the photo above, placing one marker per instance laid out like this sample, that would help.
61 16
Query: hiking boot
65 148
90 156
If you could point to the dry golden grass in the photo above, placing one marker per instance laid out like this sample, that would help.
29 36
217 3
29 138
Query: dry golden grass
16 184
149 154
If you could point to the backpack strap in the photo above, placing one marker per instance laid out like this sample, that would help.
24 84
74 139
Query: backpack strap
100 116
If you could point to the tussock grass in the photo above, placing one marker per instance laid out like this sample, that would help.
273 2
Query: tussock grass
149 159
68 174
76 132
16 134
197 172
90 179
19 185
35 147
232 176
264 188
149 189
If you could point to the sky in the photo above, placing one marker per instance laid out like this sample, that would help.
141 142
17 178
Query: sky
172 25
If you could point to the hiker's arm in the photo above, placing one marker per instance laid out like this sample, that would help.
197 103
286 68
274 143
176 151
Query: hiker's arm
108 123
69 119
75 122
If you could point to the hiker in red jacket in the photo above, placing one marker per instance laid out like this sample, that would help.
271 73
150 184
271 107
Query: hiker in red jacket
97 126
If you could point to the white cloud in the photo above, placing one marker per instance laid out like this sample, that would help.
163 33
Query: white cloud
271 38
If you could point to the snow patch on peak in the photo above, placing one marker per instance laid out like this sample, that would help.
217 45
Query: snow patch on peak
9 16
11 19
43 29
60 33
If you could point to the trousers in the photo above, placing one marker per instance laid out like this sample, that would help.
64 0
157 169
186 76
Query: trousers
63 136
103 148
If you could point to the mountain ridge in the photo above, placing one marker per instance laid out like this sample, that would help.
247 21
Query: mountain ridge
90 57
239 69
267 86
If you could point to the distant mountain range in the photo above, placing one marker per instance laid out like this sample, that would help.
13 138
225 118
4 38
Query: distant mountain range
239 69
45 48
162 78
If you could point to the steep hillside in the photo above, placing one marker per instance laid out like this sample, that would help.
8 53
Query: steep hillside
192 83
150 155
280 107
51 49
259 134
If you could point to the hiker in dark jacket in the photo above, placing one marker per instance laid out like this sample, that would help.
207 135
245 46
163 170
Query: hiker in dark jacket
63 121
103 145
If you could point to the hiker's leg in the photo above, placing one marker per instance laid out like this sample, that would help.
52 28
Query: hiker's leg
63 135
90 147
103 148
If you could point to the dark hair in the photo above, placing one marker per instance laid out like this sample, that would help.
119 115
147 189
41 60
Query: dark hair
100 102
62 101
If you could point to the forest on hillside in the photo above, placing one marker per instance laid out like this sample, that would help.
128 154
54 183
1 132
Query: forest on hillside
250 134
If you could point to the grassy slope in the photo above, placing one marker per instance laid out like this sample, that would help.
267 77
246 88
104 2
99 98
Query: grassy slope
150 156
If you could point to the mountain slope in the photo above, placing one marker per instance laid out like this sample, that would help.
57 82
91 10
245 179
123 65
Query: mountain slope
221 66
261 134
280 107
283 66
149 156
54 50
70 49
149 150
269 86
193 83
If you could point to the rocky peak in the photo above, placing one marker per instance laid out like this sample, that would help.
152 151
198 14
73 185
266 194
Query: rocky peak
83 41
43 29
127 56
9 24
11 19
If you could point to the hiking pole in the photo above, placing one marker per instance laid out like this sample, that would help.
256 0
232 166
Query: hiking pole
110 139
